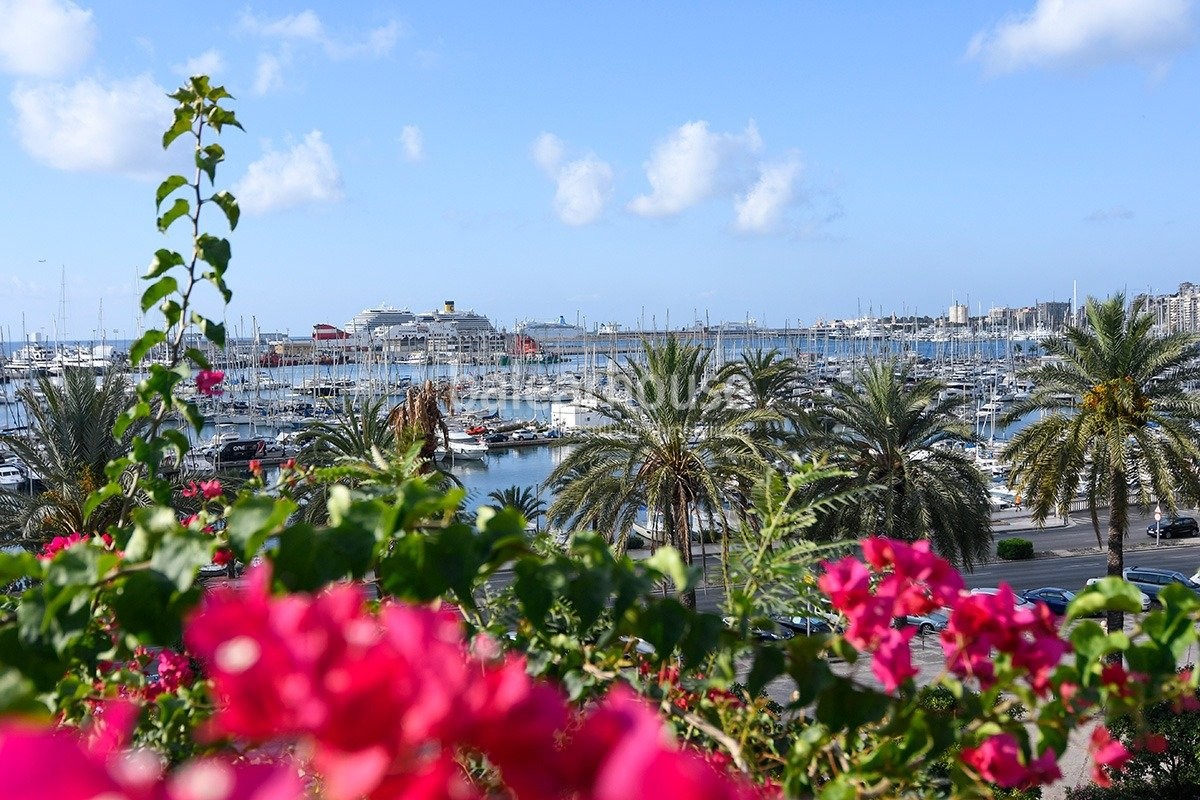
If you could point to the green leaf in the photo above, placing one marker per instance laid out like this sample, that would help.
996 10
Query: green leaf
307 559
180 555
17 694
215 251
163 261
146 605
405 572
588 592
252 520
183 120
18 564
158 290
197 357
171 312
229 204
178 209
768 665
668 562
138 350
843 706
207 159
105 492
220 117
663 624
1105 594
533 591
213 331
165 188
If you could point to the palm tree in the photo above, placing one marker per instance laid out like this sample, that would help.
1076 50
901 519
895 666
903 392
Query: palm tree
766 380
419 420
903 438
69 445
349 434
522 498
1118 423
675 446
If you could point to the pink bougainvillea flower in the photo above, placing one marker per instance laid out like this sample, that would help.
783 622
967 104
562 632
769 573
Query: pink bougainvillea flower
209 778
1107 754
191 490
208 381
188 520
41 763
173 669
892 663
211 489
255 467
58 544
847 583
983 623
998 760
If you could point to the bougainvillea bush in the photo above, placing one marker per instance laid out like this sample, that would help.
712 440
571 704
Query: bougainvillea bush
411 649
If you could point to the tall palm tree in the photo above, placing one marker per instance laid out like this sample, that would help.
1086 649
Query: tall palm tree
1118 422
766 380
69 445
419 420
903 438
674 446
522 498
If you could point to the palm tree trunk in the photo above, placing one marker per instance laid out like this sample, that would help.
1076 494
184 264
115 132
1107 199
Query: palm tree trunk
1118 512
683 540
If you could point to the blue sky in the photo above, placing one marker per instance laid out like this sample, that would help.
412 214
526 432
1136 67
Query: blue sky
605 162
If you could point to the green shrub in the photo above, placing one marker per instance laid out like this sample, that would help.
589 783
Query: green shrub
1014 549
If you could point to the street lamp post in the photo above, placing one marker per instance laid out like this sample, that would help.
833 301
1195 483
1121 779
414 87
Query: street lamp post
1157 526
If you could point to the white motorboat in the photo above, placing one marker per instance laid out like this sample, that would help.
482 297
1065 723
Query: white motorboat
462 446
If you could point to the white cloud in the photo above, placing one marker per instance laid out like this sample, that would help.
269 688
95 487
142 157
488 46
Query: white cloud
412 142
1084 33
210 63
1112 214
692 165
44 38
304 174
548 153
268 76
94 127
303 26
584 186
307 27
760 209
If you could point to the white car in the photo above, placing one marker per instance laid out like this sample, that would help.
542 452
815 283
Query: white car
1145 597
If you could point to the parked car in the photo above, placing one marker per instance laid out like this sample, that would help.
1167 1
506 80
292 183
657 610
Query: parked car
1057 599
1174 526
1018 601
1145 597
1152 580
804 625
524 435
495 438
766 630
933 622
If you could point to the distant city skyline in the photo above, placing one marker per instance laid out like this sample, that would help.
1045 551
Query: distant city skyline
781 162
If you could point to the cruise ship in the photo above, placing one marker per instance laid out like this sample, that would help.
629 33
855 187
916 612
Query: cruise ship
385 316
549 331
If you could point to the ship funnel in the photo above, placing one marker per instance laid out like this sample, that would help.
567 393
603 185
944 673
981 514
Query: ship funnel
449 309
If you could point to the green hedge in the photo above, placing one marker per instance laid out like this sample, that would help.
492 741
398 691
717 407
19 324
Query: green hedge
1014 549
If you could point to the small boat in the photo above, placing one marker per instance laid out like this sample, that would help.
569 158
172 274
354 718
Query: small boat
462 446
